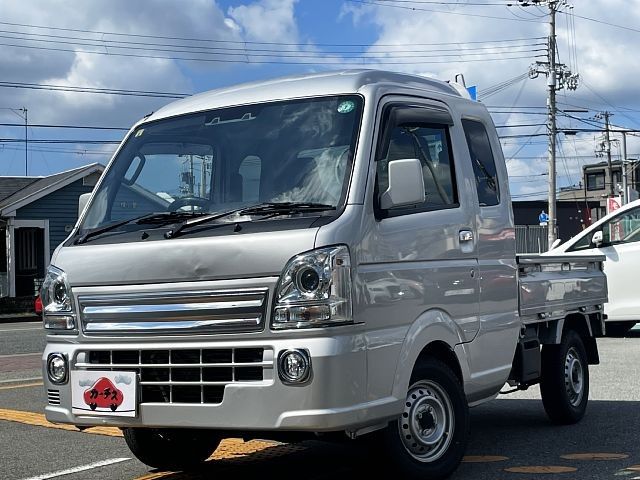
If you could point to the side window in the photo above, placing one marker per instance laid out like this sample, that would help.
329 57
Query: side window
414 136
249 171
484 165
623 228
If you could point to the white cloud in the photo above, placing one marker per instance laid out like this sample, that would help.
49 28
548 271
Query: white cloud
267 20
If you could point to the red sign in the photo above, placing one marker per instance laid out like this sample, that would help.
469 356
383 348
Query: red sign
104 394
613 204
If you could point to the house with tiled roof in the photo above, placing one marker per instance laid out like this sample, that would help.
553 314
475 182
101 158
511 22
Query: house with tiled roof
36 215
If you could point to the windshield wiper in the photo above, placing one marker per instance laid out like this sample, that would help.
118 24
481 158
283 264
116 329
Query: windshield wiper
267 208
282 208
156 217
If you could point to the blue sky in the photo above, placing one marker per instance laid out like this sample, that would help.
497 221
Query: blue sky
410 34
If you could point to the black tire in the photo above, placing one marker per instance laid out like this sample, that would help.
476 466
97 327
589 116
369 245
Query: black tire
432 382
565 379
171 449
618 329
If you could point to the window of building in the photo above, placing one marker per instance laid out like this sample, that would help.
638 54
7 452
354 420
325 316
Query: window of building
484 165
595 180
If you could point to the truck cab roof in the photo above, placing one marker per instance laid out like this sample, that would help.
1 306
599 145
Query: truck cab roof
299 86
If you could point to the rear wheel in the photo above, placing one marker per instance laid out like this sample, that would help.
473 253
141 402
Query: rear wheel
171 449
428 440
618 329
565 379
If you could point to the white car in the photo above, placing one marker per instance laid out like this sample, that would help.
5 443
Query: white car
617 236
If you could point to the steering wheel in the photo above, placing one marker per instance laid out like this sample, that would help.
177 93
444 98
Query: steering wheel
188 201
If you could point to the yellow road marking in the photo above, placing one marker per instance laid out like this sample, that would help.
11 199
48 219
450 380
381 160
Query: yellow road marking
483 458
540 469
633 468
22 385
595 456
39 420
236 449
153 476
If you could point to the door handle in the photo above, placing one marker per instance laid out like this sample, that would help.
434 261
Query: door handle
466 235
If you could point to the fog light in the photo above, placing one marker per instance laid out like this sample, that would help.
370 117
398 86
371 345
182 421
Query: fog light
57 368
294 366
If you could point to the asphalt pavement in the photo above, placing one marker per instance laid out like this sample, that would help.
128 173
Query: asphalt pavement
511 436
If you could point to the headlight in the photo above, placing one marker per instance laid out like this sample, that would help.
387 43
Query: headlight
314 290
57 304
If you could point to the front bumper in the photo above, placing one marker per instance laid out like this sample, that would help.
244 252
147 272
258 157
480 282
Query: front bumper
334 399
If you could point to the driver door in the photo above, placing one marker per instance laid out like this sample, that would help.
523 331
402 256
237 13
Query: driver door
621 245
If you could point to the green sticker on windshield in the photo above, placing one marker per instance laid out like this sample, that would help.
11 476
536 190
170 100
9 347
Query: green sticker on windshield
346 106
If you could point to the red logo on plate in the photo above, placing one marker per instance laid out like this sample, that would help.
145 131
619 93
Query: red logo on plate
103 394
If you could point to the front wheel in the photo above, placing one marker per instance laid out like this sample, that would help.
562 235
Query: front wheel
171 449
564 385
429 438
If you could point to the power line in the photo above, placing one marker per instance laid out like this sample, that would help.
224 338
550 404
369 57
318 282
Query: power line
270 62
42 125
244 50
106 91
385 4
21 140
518 125
102 34
603 22
456 4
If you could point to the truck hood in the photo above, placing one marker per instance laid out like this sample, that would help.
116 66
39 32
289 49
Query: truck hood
183 259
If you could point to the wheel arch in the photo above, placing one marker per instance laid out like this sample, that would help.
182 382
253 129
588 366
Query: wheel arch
434 334
584 325
580 323
443 352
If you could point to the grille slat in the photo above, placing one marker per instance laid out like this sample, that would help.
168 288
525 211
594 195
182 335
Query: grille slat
183 375
53 396
235 311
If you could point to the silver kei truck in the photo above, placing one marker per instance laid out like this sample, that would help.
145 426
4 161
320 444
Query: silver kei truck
326 256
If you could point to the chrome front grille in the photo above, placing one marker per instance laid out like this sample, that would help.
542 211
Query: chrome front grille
229 311
184 375
53 396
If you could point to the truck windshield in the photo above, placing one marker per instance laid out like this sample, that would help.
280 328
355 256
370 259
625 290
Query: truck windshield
221 160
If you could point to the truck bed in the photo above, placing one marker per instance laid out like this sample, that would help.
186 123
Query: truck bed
552 286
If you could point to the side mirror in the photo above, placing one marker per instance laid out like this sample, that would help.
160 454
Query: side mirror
555 243
406 184
597 239
82 202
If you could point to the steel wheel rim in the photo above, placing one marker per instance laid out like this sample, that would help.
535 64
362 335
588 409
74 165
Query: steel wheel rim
574 377
427 422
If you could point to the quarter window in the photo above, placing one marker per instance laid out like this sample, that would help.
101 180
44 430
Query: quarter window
484 165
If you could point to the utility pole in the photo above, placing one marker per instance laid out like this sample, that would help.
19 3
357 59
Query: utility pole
607 139
625 196
558 77
606 146
26 142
